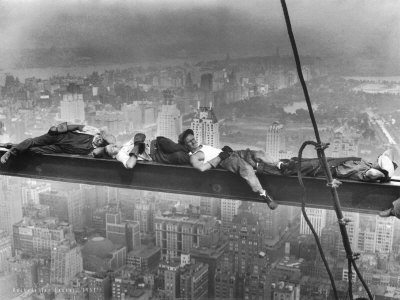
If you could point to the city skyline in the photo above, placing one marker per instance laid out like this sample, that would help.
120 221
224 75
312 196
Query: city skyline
226 71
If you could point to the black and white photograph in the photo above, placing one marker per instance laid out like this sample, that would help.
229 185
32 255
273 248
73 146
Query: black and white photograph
205 150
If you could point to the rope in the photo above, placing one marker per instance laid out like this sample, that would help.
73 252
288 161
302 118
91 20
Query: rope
321 156
310 225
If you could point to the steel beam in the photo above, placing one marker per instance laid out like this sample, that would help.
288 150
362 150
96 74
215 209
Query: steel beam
354 196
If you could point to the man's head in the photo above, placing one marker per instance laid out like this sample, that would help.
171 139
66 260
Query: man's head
112 150
187 139
103 139
384 168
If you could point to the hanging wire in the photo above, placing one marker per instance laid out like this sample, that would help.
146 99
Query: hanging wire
310 225
332 183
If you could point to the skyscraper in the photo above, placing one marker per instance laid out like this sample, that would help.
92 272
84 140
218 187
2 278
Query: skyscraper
144 214
169 123
39 236
10 205
275 141
72 108
229 208
384 230
66 262
194 281
206 127
125 233
245 240
65 205
25 271
177 233
317 217
5 250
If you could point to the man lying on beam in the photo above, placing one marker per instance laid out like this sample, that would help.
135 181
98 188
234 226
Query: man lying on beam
353 168
63 138
161 150
205 157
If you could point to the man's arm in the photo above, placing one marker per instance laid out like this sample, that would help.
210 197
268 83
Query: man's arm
197 161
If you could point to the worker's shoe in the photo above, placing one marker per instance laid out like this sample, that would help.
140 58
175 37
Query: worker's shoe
387 213
6 156
6 145
270 202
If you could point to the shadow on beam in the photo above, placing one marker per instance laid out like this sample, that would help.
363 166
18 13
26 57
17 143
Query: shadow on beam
354 196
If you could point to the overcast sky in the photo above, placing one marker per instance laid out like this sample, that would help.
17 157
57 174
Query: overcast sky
241 27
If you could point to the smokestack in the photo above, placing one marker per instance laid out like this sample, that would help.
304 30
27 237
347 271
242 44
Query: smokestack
198 105
210 104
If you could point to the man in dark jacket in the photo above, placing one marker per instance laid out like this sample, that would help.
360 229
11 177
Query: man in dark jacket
63 138
353 168
161 150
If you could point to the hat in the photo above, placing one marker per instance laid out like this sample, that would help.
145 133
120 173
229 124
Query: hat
183 135
139 138
385 162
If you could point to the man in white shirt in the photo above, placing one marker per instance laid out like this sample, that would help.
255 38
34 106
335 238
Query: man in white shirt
161 150
132 151
204 157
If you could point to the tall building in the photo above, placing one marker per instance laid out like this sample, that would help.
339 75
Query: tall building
65 205
72 108
169 123
384 230
257 282
30 192
144 214
39 236
100 254
125 233
245 240
225 281
206 127
273 224
10 205
229 208
177 234
194 281
210 206
25 271
317 217
210 256
66 262
285 290
375 234
168 273
275 142
145 259
5 250
99 285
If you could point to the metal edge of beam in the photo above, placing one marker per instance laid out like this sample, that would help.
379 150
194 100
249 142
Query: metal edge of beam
217 183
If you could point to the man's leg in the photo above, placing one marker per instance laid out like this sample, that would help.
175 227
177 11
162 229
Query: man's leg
237 165
43 140
46 149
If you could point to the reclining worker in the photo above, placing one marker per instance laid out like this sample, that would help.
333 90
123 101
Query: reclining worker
161 150
63 138
353 168
205 157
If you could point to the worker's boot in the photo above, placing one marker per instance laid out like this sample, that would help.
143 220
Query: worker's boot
270 202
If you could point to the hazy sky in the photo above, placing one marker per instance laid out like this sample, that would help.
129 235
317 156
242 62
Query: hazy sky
188 28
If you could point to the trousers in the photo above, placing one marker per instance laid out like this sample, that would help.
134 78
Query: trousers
243 162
